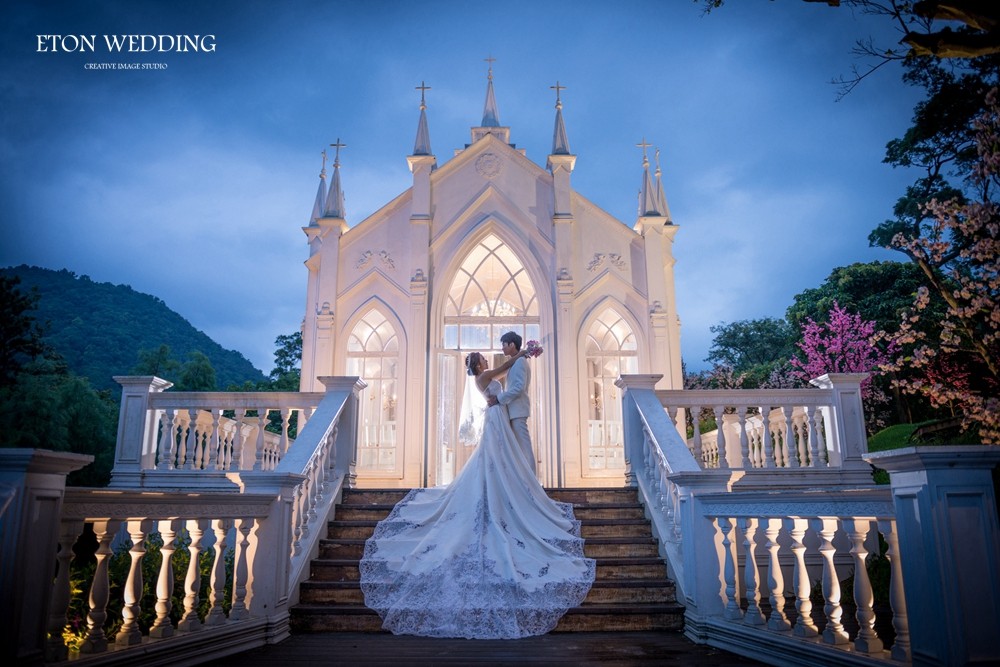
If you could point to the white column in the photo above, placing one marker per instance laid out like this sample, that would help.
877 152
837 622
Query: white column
949 550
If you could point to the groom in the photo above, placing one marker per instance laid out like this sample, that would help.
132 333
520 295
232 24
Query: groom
515 395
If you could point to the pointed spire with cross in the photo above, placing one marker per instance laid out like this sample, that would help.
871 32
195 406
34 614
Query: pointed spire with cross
491 115
335 198
422 144
560 140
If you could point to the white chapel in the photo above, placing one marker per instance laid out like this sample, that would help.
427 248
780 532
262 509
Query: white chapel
483 243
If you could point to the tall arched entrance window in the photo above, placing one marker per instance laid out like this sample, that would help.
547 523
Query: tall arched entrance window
490 294
610 350
373 354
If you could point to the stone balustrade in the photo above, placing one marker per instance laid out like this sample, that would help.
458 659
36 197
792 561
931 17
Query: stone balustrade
247 529
770 541
766 555
173 438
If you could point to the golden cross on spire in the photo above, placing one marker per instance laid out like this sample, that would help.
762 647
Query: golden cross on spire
558 89
422 88
490 60
643 145
657 154
323 153
338 146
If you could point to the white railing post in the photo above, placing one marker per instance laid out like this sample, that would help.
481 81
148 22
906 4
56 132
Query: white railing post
32 487
949 550
135 450
844 420
346 456
632 427
270 547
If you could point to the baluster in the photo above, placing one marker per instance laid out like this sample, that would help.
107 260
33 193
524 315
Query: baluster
166 460
720 437
900 622
732 611
820 429
867 641
217 581
672 414
191 443
771 455
773 424
216 454
129 634
741 413
775 580
834 632
316 474
699 452
192 580
240 570
297 519
286 416
788 439
258 463
165 582
55 648
810 424
804 624
100 589
751 576
236 461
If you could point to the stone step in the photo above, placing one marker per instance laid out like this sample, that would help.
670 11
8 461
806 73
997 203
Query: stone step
585 496
588 528
631 593
585 618
596 547
379 511
615 528
610 591
607 568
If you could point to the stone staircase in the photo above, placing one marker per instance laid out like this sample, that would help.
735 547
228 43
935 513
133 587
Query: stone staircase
631 592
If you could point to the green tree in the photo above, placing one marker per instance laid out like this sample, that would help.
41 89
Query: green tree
287 363
752 349
878 291
197 373
20 334
158 362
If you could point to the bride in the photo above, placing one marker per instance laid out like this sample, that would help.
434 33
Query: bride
489 556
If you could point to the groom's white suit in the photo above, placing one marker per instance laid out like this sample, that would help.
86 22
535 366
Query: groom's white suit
515 397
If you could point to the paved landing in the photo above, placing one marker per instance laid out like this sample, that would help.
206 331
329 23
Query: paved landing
564 648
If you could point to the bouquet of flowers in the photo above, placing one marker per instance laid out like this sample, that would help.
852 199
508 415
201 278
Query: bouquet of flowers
532 348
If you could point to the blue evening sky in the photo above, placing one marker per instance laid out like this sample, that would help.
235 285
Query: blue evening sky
192 182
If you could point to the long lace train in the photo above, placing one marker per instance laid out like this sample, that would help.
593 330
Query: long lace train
488 557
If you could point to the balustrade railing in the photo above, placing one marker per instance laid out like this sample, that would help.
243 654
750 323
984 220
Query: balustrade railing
239 509
778 569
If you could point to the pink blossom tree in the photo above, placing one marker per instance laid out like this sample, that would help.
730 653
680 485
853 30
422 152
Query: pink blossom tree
846 344
960 255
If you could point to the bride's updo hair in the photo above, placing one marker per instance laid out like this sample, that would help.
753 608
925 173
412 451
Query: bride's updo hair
470 363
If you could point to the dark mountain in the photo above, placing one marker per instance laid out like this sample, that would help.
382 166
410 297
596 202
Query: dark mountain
99 328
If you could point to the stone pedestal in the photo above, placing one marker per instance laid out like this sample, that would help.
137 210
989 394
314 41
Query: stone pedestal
946 518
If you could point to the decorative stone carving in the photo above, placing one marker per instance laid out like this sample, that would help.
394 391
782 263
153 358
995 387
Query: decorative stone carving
488 165
611 258
368 255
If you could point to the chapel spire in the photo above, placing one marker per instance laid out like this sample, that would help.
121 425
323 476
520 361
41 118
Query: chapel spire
560 141
317 211
647 195
422 145
491 116
661 198
335 198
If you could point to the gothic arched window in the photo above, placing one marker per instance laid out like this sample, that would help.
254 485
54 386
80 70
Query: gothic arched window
373 354
610 350
491 293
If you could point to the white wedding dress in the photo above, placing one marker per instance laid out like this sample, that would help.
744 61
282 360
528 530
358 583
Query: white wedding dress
489 556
